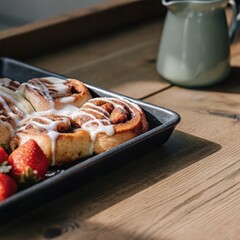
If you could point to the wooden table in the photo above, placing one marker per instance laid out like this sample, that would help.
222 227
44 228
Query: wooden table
187 189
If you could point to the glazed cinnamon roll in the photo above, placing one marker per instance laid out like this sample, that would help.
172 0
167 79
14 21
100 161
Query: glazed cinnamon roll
56 135
9 83
13 108
55 93
110 122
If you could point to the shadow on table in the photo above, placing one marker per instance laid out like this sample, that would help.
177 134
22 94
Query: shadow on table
230 85
115 184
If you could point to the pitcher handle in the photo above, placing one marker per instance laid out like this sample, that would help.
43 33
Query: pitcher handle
235 20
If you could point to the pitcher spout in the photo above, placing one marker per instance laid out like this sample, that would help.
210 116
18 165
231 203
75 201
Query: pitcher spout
194 5
173 5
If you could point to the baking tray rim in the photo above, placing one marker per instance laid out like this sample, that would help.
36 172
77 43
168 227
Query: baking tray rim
174 119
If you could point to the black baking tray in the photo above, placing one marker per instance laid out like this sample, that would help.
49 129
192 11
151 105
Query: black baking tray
68 177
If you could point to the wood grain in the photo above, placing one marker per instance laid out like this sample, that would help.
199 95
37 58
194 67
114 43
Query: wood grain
184 190
187 189
123 62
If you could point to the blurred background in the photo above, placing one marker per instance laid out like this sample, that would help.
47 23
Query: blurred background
15 13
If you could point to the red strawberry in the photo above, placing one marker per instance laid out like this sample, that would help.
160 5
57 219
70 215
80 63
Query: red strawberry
3 155
29 163
7 186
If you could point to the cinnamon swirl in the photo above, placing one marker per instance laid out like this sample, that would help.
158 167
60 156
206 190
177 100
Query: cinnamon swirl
56 135
51 92
68 124
110 121
9 83
99 125
13 108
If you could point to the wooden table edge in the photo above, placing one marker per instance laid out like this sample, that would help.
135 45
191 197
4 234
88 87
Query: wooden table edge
40 37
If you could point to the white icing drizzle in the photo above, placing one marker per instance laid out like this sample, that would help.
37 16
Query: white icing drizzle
91 148
65 111
47 84
121 100
9 83
5 82
21 88
50 126
56 84
94 130
7 109
41 87
53 135
54 80
96 107
66 100
108 100
80 113
93 125
96 111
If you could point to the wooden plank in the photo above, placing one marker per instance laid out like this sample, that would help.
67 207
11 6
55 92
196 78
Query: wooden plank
188 189
124 63
225 103
206 205
79 55
84 24
235 54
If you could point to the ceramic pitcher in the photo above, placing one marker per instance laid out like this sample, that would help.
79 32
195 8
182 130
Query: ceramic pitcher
195 46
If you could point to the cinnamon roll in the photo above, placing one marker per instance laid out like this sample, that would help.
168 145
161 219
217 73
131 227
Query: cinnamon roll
56 135
13 108
55 93
9 83
110 122
62 117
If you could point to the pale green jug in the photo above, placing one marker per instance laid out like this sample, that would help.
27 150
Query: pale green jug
195 45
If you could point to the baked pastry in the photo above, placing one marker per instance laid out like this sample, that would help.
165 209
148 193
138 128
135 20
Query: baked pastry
9 83
13 108
110 122
54 93
58 138
62 117
99 125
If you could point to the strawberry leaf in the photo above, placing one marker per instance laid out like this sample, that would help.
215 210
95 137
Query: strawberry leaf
29 176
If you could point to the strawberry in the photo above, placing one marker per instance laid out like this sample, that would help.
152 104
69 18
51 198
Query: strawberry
3 155
29 163
7 186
